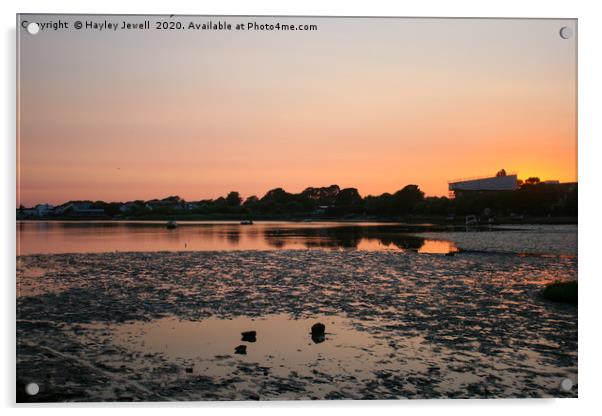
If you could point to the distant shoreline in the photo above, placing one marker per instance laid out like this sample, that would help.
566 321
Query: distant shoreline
415 220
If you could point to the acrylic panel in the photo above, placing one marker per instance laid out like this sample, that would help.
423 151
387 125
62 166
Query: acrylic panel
295 208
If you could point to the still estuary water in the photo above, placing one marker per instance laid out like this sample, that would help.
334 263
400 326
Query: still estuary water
37 237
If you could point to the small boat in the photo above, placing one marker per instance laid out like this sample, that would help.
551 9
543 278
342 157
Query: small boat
171 225
246 222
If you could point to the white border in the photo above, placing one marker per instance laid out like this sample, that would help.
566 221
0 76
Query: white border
590 134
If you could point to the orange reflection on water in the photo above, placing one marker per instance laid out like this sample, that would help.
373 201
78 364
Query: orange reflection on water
438 247
373 244
40 237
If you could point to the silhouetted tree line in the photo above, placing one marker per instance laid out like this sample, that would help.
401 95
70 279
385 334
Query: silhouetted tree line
531 198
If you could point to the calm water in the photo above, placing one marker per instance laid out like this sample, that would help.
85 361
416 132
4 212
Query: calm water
36 237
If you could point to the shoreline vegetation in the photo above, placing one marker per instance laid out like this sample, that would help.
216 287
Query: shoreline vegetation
533 202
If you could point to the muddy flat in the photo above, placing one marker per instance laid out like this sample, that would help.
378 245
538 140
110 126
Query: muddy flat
132 326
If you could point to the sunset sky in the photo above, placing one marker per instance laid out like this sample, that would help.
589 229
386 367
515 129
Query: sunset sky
369 103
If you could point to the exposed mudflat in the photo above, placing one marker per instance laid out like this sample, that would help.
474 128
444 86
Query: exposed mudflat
524 239
164 325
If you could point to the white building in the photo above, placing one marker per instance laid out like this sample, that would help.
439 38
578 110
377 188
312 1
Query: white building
500 182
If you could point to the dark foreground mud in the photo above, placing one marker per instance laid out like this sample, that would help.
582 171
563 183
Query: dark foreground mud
164 326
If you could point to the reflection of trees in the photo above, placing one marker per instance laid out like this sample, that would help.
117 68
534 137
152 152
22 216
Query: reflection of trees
233 237
404 242
331 237
276 242
224 236
341 237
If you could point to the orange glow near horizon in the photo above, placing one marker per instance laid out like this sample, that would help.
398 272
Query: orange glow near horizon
374 104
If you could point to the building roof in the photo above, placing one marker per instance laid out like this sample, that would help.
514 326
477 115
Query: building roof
494 183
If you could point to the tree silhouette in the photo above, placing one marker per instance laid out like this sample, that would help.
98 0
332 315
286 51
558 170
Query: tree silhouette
233 199
534 180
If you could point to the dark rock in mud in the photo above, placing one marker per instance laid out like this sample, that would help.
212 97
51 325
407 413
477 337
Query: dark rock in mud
241 349
318 329
318 333
249 336
565 292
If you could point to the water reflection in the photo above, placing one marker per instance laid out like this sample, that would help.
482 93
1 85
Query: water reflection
283 343
84 237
